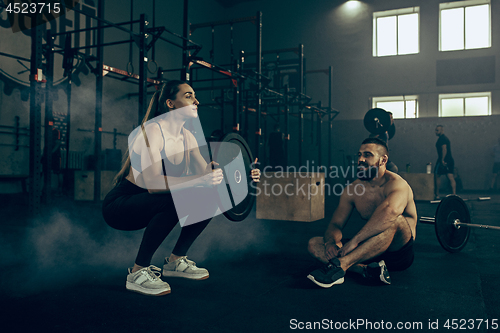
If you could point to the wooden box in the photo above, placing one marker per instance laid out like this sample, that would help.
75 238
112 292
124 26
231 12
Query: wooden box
422 185
293 196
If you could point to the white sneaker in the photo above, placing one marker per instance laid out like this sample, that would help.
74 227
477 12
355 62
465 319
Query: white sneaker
147 281
183 267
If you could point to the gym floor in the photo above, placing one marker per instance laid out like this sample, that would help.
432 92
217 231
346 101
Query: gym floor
66 272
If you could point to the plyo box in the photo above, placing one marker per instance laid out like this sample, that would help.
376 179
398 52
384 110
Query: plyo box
422 185
292 196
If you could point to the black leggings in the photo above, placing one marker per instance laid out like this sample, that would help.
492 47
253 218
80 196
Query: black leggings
129 207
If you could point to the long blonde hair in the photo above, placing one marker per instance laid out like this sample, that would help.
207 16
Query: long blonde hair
157 106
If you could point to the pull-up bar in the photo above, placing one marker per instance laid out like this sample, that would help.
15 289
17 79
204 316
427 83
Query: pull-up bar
94 28
108 69
224 22
162 29
109 23
291 49
13 56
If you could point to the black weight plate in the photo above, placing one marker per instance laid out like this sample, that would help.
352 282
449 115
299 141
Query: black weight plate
236 160
451 208
377 121
215 136
391 131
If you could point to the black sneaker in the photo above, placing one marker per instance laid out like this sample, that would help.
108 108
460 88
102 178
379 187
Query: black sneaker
377 271
328 275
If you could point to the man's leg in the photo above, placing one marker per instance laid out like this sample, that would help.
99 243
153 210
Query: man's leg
392 239
317 249
452 183
437 184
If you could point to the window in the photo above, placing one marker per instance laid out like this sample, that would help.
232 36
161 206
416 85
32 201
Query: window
395 32
470 104
464 25
401 106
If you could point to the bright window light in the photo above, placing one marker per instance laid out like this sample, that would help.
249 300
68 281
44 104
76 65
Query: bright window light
452 27
468 104
386 36
477 27
397 108
476 106
465 25
396 32
452 107
408 34
401 106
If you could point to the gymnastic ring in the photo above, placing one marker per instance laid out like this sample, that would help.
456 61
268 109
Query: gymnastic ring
129 65
155 64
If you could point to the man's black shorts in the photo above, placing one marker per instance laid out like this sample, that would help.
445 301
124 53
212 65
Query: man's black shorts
441 169
398 260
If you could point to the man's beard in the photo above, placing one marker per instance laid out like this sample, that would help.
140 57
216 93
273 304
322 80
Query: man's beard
368 172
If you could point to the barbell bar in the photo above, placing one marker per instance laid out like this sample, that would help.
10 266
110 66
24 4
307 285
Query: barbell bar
457 224
452 223
477 199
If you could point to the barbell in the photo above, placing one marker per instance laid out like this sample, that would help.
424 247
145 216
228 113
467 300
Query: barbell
452 223
476 199
377 121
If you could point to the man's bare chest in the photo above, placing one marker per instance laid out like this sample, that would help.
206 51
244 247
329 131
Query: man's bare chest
367 203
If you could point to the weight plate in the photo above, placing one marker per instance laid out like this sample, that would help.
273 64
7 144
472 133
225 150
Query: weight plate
451 208
391 131
377 121
236 194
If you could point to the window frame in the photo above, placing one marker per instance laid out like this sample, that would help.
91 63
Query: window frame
464 96
400 98
390 13
464 4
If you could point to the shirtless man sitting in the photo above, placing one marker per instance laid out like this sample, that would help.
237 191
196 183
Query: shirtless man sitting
385 242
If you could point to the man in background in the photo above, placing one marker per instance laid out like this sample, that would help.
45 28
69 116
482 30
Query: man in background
445 164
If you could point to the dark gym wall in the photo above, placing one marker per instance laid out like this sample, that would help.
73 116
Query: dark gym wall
120 100
334 35
414 144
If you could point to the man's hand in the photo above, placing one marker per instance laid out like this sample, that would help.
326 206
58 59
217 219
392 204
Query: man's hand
331 251
347 248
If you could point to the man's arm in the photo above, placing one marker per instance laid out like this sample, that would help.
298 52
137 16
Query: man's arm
384 216
333 234
443 154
